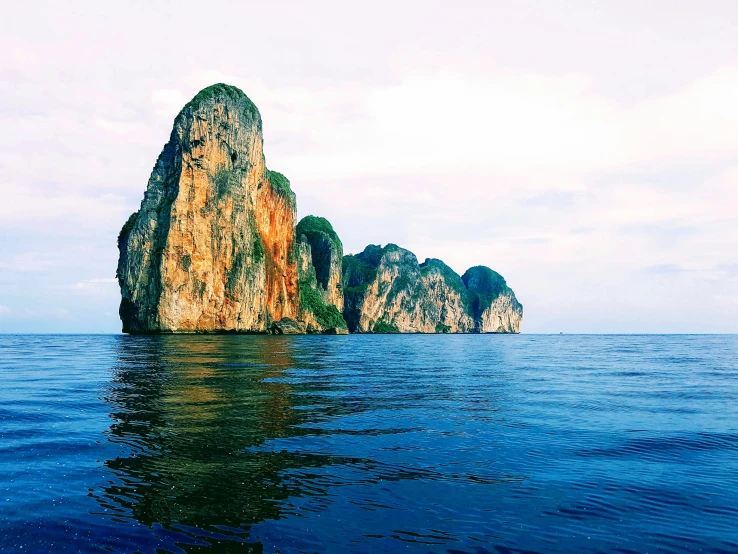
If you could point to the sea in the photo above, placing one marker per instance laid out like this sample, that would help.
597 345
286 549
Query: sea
369 443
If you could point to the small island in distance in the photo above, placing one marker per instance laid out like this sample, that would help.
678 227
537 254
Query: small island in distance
215 248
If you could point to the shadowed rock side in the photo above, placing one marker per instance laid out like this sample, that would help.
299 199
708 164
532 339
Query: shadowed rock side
208 249
320 271
387 291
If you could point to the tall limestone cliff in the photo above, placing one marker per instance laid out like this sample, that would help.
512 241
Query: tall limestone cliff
386 290
209 249
320 273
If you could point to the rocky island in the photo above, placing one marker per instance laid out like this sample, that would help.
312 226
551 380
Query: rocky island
216 247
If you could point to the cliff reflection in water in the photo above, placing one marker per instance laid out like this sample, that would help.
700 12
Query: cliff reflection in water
187 413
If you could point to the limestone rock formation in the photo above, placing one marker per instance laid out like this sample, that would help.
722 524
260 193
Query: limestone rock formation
320 276
214 248
209 248
386 290
492 303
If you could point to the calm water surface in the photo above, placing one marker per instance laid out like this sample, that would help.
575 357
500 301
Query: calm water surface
476 443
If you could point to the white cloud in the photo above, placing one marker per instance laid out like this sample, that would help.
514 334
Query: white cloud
731 300
27 262
168 101
37 207
94 283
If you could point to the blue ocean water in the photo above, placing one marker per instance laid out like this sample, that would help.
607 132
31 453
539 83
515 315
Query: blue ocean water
384 443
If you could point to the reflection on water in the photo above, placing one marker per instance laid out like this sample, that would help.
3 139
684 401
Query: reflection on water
188 412
478 443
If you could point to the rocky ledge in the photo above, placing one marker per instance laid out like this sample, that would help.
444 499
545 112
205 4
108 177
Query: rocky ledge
215 248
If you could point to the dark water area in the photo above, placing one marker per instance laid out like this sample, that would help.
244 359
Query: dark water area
477 443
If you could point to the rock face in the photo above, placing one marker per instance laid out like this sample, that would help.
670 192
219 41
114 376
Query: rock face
287 326
209 250
492 302
214 248
320 276
387 291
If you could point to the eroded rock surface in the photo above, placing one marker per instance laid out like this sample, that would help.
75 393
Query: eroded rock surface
386 290
287 326
320 255
208 250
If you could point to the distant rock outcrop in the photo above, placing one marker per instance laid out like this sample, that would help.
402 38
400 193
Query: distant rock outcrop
387 291
491 302
320 272
214 248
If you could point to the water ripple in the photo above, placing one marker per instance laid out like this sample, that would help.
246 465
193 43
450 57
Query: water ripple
478 444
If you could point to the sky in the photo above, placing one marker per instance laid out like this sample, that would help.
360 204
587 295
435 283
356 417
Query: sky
585 150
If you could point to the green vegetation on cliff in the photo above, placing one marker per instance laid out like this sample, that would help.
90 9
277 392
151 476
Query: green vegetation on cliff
186 262
451 278
326 315
484 286
280 183
230 92
312 226
258 251
360 270
372 254
441 328
326 250
385 328
127 227
357 274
